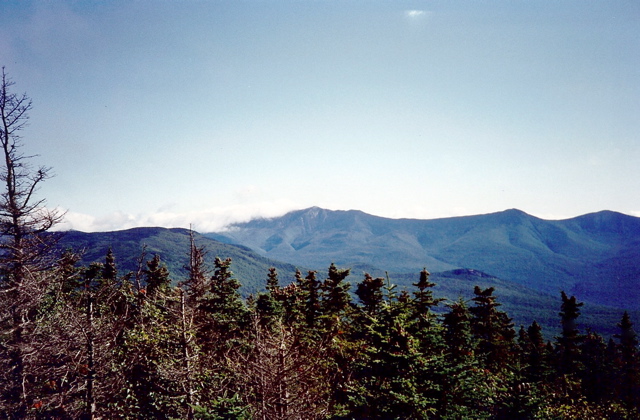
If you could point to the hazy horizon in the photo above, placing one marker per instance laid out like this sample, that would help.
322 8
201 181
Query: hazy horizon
221 222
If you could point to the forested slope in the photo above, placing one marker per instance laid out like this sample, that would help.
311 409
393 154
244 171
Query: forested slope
595 256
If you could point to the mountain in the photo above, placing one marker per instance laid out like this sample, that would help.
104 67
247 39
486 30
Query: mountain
172 245
595 256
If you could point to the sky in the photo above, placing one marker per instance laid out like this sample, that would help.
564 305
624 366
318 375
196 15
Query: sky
200 113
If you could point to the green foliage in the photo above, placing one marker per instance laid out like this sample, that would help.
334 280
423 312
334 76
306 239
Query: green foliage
223 408
493 329
306 350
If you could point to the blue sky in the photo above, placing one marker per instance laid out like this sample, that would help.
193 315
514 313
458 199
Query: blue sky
202 112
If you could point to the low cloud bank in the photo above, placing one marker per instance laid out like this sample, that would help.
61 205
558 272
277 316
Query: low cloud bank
211 220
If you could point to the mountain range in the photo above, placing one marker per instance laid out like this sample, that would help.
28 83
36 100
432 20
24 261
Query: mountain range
595 257
526 259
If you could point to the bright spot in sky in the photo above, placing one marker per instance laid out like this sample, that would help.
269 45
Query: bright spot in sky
415 13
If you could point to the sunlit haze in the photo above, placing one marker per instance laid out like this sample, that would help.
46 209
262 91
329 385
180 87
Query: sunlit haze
177 113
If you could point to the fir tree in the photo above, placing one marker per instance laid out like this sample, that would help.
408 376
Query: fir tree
535 355
465 390
310 296
109 270
369 291
595 384
388 387
268 307
157 277
335 292
568 344
493 329
629 372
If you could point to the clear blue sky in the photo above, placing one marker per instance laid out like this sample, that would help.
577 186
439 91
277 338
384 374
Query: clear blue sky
177 112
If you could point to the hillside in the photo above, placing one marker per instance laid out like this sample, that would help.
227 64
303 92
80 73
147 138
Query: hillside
172 245
594 256
522 303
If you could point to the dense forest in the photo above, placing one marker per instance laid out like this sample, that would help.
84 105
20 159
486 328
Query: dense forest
90 342
96 344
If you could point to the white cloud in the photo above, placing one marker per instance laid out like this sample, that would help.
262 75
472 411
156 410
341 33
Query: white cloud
413 14
215 219
417 19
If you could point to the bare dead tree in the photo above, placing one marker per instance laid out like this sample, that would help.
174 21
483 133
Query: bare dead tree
24 247
285 377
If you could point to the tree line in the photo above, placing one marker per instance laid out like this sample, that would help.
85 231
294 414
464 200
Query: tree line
90 342
97 344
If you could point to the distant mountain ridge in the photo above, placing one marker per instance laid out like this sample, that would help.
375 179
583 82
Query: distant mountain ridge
172 245
595 256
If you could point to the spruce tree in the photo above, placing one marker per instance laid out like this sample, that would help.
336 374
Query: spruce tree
369 291
466 393
157 277
493 329
225 313
334 292
109 269
535 355
268 307
310 298
595 384
568 344
629 371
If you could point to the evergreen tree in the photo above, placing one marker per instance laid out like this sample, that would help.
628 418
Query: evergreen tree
369 291
493 329
334 292
109 270
268 308
388 384
535 355
157 277
466 392
629 372
595 383
568 344
197 283
310 296
423 298
423 325
225 312
273 283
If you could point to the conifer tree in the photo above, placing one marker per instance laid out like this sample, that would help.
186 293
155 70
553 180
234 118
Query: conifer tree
423 298
268 307
310 296
629 372
273 283
157 277
595 382
197 282
568 344
369 291
493 329
224 315
387 381
334 292
465 389
423 319
535 355
109 270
